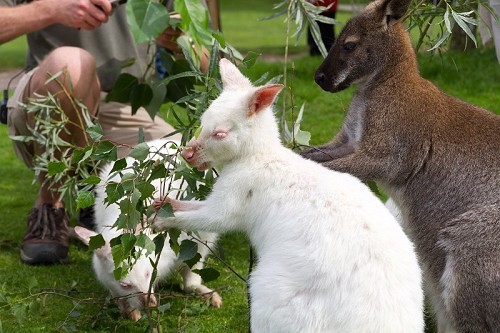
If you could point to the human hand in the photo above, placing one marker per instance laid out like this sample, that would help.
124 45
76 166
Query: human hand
82 14
168 40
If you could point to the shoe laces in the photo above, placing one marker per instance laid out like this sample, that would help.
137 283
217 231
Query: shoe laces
46 222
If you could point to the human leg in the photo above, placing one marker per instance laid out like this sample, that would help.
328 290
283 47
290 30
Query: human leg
46 241
495 26
327 33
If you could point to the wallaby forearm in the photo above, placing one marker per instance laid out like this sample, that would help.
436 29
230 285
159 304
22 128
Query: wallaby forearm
337 148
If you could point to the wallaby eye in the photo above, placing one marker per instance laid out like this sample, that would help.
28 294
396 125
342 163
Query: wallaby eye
125 285
219 134
349 46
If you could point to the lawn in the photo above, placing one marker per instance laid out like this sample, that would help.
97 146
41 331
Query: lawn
68 298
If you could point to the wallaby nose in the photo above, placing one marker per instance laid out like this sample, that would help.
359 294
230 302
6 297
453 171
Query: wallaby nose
188 153
152 301
319 77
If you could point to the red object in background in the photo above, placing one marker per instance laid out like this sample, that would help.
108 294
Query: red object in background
326 3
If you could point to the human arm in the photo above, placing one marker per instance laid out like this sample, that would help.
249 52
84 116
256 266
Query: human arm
37 15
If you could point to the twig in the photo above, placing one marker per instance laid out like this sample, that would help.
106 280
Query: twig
218 257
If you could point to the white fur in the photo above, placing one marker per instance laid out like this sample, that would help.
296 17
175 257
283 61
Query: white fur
139 278
331 258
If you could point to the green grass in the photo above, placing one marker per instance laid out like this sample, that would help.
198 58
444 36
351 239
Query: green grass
244 27
472 76
12 54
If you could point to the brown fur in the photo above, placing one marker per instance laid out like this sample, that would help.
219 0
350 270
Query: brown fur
438 157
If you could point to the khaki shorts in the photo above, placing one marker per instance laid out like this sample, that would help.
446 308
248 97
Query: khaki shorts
116 119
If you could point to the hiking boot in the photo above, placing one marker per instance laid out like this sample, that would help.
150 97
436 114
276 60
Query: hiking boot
46 242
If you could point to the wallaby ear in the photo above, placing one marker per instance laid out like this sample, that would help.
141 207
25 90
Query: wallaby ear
231 76
391 11
264 97
104 252
82 234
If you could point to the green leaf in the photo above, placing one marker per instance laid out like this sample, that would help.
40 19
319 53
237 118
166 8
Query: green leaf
55 168
140 95
183 83
220 39
128 181
193 261
19 311
443 38
159 241
173 239
302 138
96 242
158 172
374 188
96 132
446 18
207 274
122 88
128 241
119 165
140 135
166 211
188 249
164 307
128 220
147 19
116 242
250 59
114 192
185 74
74 314
195 20
32 283
461 22
140 151
136 195
146 243
85 199
146 189
119 273
81 155
197 132
159 91
92 179
106 150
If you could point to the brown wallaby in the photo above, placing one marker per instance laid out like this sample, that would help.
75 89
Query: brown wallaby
436 156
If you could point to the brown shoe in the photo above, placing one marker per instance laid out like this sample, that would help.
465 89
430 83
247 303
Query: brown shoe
46 242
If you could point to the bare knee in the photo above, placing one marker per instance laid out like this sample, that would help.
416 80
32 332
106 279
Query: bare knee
75 72
74 64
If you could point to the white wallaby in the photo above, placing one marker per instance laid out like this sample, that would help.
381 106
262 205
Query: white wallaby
331 258
132 291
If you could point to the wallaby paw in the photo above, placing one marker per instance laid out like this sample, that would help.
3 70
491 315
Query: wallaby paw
158 203
177 205
215 300
159 226
135 315
127 312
